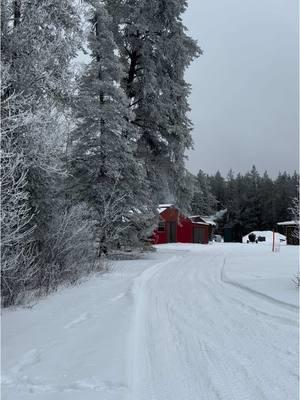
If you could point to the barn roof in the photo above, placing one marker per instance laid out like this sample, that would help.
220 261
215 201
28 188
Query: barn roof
162 207
209 221
290 223
206 220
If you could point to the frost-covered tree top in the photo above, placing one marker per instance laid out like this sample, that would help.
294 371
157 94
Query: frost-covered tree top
39 39
155 50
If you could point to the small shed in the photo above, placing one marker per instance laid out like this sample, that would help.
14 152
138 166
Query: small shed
205 220
291 230
174 227
233 232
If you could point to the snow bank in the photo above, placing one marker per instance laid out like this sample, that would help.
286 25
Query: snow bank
268 235
267 273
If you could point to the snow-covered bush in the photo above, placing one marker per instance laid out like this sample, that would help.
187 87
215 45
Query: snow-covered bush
18 250
69 249
18 256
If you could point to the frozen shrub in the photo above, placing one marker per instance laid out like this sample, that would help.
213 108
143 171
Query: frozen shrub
69 249
18 251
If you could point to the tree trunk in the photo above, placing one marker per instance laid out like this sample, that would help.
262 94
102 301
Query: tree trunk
17 12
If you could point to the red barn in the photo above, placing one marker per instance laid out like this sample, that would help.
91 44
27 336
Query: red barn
175 227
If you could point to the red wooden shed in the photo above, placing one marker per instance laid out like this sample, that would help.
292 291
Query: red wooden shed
207 220
175 227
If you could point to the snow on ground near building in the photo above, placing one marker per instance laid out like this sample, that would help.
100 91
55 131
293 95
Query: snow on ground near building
266 274
190 322
279 238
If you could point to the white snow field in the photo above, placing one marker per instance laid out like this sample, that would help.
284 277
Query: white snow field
189 322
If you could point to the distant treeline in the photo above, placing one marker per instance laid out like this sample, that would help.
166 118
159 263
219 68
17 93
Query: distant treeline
255 202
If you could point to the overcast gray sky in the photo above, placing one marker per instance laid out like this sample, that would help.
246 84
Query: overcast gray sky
245 86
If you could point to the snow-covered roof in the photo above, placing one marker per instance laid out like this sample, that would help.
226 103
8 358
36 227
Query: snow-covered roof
162 207
161 210
288 223
207 220
201 223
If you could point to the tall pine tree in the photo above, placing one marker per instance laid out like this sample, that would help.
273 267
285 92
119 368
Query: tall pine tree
107 174
155 51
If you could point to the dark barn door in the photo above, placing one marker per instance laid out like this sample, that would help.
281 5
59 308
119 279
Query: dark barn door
171 232
199 235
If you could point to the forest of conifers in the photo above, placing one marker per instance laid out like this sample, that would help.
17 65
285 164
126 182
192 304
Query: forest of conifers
255 202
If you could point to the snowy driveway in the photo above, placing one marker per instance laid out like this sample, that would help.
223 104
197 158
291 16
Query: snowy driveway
190 322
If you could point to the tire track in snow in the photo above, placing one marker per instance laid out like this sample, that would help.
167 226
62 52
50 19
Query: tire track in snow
266 297
215 373
138 334
196 342
254 327
290 317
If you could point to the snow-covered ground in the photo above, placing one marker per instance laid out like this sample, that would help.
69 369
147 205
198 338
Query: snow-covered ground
190 322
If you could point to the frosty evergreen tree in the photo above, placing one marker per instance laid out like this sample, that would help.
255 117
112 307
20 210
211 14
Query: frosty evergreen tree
203 202
251 208
217 185
107 175
39 40
155 51
266 202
